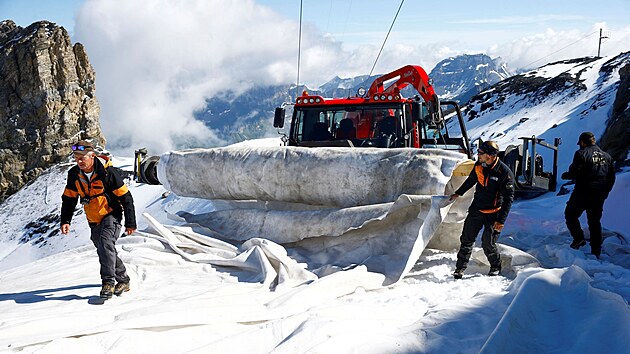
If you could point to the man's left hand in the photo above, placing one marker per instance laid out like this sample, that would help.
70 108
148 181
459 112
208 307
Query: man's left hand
497 226
129 230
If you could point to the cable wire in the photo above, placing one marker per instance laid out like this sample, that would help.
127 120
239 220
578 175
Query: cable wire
387 36
561 49
297 83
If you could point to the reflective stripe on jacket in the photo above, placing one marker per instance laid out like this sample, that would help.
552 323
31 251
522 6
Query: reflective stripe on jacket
494 191
105 193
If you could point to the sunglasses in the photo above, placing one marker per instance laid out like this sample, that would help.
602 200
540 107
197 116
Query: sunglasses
481 152
81 148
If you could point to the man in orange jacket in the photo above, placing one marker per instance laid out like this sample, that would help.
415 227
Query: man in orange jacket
105 198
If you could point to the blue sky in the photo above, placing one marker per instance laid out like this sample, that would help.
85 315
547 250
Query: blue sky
470 25
478 22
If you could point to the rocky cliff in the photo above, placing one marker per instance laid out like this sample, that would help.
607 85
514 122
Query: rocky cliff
616 138
47 101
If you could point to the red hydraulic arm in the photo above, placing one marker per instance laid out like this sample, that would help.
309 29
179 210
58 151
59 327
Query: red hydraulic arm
413 75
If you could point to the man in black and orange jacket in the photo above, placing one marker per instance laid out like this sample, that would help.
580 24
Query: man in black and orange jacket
491 204
105 198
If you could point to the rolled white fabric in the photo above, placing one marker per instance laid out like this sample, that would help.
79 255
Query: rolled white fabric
340 177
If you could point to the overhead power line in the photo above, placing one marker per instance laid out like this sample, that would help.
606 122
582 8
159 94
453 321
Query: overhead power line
559 50
387 36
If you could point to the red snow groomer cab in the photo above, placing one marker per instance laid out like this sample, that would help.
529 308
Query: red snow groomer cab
381 118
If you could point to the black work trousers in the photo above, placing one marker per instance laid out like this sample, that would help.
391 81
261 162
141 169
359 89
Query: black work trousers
472 225
104 236
593 203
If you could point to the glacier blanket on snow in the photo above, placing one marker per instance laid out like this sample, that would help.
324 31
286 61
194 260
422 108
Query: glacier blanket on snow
333 207
341 177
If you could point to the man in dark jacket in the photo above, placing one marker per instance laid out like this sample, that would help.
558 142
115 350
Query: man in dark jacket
491 204
104 197
594 175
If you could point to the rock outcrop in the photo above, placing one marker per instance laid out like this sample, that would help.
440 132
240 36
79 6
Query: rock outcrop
47 101
616 138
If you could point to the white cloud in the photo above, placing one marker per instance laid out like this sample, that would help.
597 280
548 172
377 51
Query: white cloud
552 45
157 61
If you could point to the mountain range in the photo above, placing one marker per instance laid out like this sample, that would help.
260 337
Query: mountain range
249 115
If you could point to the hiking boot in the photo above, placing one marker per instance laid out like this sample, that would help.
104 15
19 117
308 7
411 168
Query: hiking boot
107 290
494 271
458 273
577 244
121 288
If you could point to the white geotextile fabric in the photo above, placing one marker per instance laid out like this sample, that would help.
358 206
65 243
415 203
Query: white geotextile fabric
387 238
340 177
389 243
335 208
263 261
537 302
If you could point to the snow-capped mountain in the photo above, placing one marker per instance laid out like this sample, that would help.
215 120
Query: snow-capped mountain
339 87
461 77
553 101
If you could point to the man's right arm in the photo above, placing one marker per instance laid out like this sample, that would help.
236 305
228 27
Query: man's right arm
574 168
68 203
468 183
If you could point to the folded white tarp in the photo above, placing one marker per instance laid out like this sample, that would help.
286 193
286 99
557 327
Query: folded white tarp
388 238
257 260
389 241
334 208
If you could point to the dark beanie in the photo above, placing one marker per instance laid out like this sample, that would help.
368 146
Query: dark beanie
489 147
587 138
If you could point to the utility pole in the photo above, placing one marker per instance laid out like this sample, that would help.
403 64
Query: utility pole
601 36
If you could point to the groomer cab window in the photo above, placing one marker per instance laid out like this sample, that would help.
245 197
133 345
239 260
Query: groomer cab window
363 126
